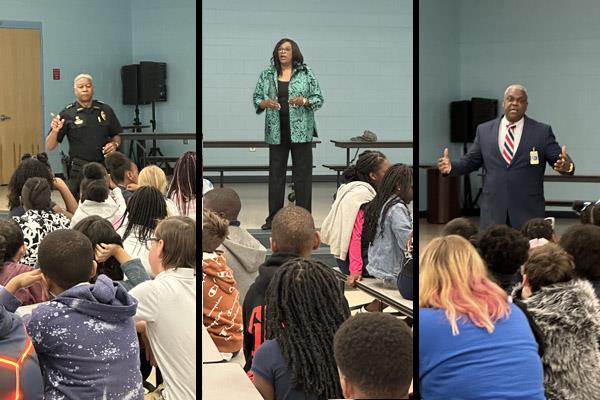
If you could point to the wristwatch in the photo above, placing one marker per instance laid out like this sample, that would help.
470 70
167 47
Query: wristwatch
570 168
304 101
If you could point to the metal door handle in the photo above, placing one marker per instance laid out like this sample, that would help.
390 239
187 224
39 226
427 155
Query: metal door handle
4 117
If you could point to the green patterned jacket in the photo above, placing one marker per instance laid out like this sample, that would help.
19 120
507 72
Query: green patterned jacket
302 119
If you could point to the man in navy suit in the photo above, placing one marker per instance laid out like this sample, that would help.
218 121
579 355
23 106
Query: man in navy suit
513 151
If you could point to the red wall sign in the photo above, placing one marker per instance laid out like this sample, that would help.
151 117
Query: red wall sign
56 74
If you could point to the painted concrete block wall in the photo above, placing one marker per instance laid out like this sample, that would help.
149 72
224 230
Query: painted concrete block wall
361 52
438 83
551 47
165 31
95 39
101 36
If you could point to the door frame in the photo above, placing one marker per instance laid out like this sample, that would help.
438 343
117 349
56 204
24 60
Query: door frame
33 25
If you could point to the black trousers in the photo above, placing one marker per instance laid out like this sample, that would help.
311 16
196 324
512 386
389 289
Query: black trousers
302 160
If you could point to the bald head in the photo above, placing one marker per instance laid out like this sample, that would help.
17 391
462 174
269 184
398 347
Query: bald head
223 201
294 231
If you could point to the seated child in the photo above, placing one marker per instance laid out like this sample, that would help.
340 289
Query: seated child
151 175
85 336
167 305
306 306
146 208
539 231
567 312
96 196
582 242
374 356
38 166
361 182
221 311
38 219
12 249
462 227
294 235
24 378
111 258
388 223
183 185
242 251
122 171
503 250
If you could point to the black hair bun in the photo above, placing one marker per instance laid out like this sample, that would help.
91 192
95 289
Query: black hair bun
94 171
43 157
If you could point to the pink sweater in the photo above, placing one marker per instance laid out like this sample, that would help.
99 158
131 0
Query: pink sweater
354 250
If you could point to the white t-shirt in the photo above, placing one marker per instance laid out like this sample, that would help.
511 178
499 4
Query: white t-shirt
168 305
136 248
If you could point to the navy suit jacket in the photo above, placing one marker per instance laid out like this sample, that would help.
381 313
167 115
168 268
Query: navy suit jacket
516 190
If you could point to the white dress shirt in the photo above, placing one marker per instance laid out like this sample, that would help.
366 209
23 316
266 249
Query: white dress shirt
503 130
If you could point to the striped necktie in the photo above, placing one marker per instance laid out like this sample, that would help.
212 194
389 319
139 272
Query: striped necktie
508 150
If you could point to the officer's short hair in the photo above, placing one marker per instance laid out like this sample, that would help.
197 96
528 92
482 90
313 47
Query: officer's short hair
78 77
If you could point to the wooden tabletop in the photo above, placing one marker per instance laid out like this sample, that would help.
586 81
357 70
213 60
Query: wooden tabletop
227 381
210 353
349 144
390 297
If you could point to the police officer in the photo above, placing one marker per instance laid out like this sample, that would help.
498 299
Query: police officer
91 127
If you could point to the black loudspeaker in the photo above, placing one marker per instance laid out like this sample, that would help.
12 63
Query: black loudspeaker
460 122
129 79
482 110
152 82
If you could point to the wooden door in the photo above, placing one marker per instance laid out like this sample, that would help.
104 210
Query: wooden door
20 97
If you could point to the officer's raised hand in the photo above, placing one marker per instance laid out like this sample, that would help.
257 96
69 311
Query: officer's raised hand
109 148
57 123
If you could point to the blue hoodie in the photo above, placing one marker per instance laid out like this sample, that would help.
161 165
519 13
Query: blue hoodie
13 344
87 343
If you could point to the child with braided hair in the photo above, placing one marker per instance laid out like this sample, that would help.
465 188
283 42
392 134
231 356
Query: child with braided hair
342 228
306 306
39 219
146 208
183 186
388 222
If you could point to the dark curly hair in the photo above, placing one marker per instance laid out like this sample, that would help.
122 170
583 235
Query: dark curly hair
547 265
538 228
93 185
306 306
28 168
462 227
11 239
504 250
297 57
583 243
366 345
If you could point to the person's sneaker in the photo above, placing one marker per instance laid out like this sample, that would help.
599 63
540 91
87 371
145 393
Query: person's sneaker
266 226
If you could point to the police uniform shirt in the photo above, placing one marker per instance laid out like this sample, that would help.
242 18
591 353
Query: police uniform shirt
88 129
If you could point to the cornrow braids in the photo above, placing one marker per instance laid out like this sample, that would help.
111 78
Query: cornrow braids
395 185
183 184
368 161
306 305
28 168
146 208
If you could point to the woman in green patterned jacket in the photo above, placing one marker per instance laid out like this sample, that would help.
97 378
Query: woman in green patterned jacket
290 93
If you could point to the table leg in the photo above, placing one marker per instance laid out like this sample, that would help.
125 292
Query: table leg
347 156
222 173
